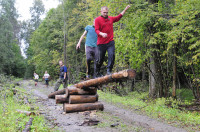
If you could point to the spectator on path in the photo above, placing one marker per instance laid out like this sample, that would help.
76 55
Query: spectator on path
105 41
62 77
36 77
46 77
90 48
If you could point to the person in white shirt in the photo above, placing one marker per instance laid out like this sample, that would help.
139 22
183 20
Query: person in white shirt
46 78
36 77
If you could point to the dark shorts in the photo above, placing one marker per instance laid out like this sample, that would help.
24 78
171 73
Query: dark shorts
47 82
91 53
36 80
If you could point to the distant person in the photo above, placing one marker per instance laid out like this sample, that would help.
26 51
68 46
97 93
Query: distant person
36 77
46 77
90 48
105 41
62 77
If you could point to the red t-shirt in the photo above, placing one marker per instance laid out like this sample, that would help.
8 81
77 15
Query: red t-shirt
105 25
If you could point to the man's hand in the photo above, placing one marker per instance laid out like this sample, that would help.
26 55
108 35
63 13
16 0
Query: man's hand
78 46
104 35
128 6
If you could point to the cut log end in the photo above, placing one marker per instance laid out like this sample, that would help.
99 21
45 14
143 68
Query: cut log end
131 73
61 99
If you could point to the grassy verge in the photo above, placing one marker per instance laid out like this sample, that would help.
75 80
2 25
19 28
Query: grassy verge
156 108
13 121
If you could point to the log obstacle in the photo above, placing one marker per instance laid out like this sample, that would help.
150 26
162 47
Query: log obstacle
76 99
82 107
61 99
77 91
59 92
122 75
83 96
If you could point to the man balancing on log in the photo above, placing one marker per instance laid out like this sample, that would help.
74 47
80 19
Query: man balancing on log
62 77
90 48
105 41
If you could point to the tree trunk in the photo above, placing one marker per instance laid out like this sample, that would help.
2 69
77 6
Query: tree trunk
174 73
82 107
59 92
126 74
76 99
60 99
152 79
72 90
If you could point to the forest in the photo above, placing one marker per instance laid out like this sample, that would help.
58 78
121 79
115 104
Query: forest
159 39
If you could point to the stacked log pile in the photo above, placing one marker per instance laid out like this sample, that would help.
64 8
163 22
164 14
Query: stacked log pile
83 96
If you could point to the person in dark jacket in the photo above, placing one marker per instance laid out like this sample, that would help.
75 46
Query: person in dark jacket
62 77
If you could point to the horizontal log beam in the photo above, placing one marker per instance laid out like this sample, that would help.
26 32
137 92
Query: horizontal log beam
68 108
59 92
77 99
125 74
60 99
72 90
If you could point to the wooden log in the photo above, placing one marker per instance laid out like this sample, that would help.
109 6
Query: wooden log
59 92
60 99
68 108
76 99
125 74
28 113
72 90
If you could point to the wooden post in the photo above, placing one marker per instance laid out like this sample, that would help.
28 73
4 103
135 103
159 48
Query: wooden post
76 99
82 107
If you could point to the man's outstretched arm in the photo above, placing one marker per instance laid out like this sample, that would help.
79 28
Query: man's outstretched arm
79 42
123 12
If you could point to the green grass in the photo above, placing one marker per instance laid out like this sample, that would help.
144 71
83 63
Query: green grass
13 121
157 108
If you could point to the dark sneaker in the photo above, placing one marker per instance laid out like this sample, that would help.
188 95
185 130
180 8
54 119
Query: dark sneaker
99 75
108 72
87 76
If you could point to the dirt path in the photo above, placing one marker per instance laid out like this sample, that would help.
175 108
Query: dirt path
112 119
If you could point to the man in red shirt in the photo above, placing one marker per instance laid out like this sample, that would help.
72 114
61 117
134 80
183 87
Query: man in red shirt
105 41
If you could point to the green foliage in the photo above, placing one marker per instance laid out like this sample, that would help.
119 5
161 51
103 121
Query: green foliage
145 31
12 63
